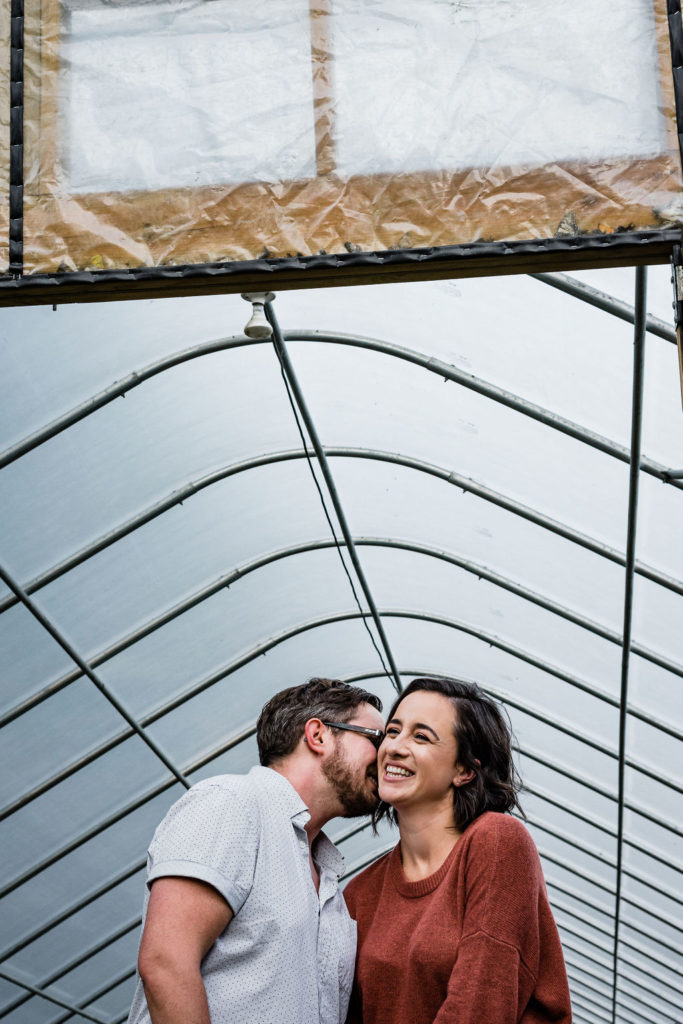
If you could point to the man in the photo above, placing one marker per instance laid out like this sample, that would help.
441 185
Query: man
244 922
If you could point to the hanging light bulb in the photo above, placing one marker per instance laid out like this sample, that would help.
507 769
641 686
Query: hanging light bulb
258 326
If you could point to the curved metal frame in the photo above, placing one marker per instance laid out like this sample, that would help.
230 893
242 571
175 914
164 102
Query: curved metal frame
517 404
431 363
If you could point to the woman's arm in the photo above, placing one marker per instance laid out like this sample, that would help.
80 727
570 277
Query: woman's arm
509 953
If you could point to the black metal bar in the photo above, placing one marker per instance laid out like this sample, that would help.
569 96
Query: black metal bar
123 812
103 991
607 303
226 580
288 369
466 484
75 962
634 479
34 990
476 259
81 904
9 581
430 363
16 141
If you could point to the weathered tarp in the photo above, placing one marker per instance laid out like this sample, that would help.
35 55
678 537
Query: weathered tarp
172 131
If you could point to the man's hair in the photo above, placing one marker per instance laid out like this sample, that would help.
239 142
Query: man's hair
282 720
484 746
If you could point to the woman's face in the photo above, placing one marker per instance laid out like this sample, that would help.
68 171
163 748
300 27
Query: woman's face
417 760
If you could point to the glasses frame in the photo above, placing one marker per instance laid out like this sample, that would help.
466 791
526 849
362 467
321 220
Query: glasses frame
374 735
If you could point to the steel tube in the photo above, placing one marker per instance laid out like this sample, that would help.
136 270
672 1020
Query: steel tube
607 303
432 364
87 671
35 991
634 480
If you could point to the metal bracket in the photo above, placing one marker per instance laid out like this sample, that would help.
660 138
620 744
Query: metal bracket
677 282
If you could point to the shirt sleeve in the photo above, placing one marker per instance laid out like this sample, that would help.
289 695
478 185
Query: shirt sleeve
494 975
211 834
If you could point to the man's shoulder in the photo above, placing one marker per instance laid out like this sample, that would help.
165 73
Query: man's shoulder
217 798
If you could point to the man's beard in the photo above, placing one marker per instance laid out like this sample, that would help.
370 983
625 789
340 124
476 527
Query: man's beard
354 791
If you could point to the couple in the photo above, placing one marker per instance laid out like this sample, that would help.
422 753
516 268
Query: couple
245 923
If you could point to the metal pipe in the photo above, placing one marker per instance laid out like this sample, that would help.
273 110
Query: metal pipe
103 991
9 581
229 578
291 377
634 480
34 990
182 494
437 366
607 303
123 812
75 962
495 393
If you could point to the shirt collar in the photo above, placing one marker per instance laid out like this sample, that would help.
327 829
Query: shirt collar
282 792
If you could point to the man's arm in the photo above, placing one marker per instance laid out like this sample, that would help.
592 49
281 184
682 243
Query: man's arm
184 919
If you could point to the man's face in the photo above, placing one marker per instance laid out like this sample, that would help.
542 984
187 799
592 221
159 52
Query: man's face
352 768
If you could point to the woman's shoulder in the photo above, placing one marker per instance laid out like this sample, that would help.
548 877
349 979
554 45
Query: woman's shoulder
496 829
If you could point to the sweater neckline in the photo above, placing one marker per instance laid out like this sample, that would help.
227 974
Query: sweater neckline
423 886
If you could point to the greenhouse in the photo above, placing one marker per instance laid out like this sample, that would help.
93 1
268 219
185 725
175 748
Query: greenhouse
366 395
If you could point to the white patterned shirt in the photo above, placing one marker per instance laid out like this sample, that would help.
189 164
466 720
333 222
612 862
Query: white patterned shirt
287 956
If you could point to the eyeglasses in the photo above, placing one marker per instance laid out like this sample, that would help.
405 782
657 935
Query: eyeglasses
374 735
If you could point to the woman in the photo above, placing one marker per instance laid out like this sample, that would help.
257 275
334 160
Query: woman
454 925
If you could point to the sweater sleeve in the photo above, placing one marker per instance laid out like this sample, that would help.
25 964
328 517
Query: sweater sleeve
496 968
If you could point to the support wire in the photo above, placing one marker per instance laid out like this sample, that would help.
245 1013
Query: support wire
291 378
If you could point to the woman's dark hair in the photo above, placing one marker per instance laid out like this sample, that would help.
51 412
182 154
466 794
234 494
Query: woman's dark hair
483 738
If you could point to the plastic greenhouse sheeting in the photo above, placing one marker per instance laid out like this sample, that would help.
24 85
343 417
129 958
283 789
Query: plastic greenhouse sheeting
172 132
160 521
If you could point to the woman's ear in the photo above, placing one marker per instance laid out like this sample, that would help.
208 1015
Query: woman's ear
462 776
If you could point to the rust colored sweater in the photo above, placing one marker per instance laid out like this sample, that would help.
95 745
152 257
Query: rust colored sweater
474 943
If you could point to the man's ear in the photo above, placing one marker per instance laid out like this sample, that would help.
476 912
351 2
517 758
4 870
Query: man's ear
462 776
315 735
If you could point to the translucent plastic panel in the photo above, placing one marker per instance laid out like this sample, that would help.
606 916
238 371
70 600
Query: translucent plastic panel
164 45
73 720
84 802
29 657
81 930
660 513
229 527
330 148
486 52
382 498
366 399
166 432
460 322
59 344
207 639
412 581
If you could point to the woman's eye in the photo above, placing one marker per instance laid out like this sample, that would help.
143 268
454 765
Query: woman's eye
421 736
391 732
